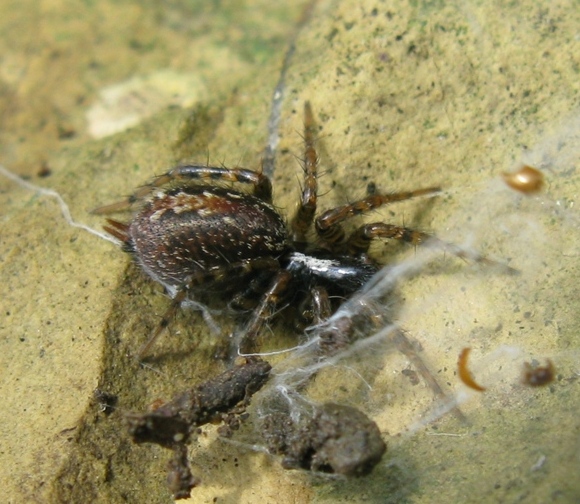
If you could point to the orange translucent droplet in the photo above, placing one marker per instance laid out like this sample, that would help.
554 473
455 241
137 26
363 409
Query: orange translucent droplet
527 180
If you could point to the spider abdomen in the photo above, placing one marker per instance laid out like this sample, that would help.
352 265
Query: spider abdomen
190 230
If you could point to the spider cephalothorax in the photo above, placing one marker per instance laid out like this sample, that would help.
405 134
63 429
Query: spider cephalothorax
195 236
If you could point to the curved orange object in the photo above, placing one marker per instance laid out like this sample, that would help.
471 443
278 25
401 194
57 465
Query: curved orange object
464 373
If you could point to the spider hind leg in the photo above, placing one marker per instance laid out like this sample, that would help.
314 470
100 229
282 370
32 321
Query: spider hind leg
261 183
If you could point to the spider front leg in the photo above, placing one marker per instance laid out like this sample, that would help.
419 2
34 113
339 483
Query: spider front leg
248 343
359 241
302 220
261 183
329 224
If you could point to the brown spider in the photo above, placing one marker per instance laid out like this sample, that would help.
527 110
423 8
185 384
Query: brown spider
195 239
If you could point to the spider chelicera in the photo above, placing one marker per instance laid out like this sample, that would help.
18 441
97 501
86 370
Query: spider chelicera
200 238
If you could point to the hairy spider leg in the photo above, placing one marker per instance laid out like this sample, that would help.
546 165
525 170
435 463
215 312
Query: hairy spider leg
219 274
264 311
328 225
329 228
359 241
261 183
302 220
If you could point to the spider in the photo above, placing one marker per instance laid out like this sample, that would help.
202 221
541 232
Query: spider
203 238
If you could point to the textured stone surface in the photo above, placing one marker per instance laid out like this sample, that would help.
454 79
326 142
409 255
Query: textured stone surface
406 94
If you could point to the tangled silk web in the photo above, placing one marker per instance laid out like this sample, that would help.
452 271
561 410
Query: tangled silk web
444 306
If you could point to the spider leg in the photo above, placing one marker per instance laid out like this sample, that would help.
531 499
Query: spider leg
165 320
318 300
328 225
314 309
302 220
261 183
204 277
359 241
264 311
320 304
